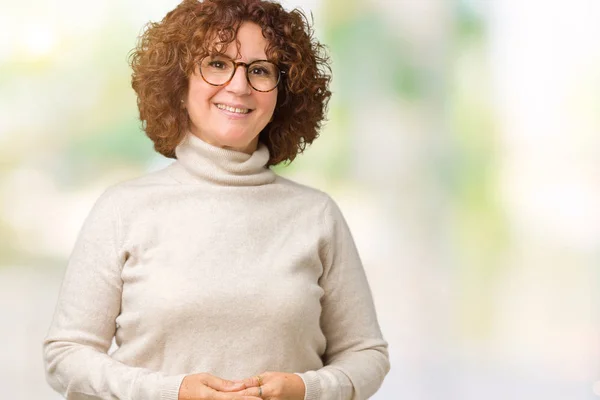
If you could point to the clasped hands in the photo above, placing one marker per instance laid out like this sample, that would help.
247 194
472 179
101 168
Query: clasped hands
266 386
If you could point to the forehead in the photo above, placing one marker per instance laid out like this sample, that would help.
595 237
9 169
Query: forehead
249 44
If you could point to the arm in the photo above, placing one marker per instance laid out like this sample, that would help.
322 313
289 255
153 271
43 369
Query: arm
356 358
75 349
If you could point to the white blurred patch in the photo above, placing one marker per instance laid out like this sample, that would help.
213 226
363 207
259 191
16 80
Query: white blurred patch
38 39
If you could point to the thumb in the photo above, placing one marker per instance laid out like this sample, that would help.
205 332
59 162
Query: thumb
224 385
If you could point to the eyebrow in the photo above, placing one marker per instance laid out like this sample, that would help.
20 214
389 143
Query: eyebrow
248 62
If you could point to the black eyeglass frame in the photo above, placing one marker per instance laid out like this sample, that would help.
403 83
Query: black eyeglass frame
246 67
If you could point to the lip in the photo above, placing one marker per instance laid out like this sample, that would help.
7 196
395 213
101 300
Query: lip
233 115
235 105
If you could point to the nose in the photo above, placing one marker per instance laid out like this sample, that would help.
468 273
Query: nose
239 83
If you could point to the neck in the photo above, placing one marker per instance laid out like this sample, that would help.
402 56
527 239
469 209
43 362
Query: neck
204 162
248 149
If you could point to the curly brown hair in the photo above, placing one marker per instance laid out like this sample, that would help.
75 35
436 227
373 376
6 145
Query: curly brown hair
167 54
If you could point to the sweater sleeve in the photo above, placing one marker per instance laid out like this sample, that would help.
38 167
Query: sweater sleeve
75 349
356 356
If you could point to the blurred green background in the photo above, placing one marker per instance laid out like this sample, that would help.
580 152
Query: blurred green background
463 146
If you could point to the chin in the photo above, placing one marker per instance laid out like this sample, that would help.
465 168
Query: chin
238 143
238 139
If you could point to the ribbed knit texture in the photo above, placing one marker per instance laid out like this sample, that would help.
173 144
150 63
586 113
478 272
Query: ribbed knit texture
214 264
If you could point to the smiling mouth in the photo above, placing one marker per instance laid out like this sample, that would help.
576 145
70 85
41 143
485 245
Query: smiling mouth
233 109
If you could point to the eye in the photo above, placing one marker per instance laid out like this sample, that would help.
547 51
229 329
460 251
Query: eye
217 64
259 70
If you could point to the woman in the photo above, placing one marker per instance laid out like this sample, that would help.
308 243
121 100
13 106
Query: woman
217 278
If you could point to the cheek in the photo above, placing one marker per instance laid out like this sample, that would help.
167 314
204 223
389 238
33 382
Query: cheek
199 92
270 102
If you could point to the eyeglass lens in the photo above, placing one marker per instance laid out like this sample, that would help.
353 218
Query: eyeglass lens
218 70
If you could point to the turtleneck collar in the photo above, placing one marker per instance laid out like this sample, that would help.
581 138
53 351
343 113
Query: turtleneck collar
212 164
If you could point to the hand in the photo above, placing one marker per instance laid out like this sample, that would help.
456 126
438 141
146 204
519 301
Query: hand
274 386
209 387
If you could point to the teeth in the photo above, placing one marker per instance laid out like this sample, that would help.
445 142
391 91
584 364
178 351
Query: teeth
233 109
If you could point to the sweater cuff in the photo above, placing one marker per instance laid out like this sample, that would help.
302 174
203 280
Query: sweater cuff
156 386
169 388
312 385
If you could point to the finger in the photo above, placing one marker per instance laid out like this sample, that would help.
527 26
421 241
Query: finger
222 385
232 396
254 381
216 395
258 391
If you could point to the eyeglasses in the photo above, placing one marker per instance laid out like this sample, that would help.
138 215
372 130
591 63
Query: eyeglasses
218 70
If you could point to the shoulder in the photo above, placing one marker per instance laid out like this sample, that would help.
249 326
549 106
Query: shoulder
300 191
310 198
133 189
159 177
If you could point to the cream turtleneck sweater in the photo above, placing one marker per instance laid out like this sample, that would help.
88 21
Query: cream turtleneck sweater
214 264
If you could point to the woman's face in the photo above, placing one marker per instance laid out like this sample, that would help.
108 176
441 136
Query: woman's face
223 128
